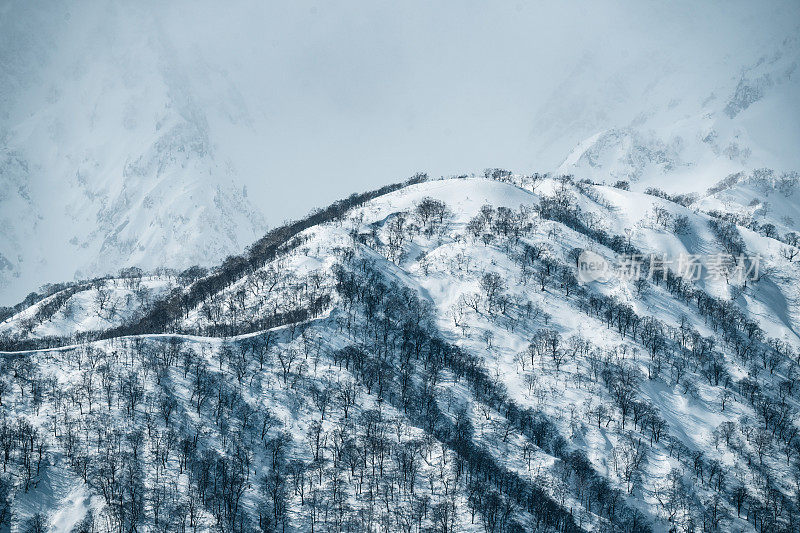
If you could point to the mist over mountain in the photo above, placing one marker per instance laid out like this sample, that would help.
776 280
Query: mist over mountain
108 159
687 139
153 135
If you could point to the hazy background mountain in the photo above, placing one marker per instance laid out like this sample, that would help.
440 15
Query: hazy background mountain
153 135
685 135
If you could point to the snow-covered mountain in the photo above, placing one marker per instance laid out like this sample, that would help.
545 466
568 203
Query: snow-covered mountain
613 345
722 138
107 159
426 357
686 131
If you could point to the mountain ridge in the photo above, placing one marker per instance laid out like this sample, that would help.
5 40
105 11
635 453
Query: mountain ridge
454 308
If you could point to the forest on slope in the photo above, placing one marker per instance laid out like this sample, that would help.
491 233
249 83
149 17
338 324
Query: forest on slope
423 357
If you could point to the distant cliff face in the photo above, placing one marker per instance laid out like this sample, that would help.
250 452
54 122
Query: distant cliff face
685 137
106 159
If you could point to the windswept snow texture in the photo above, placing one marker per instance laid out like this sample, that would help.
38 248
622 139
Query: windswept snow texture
431 364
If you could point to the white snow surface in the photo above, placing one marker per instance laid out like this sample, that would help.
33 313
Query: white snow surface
443 268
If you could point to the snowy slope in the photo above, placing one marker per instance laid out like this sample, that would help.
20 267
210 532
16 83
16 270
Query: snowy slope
428 315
